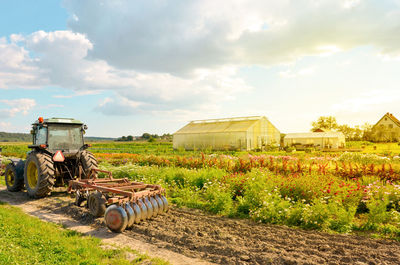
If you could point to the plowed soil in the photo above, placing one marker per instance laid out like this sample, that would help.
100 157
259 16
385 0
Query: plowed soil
230 241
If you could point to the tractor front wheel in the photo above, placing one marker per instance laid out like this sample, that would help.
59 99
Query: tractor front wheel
13 183
39 174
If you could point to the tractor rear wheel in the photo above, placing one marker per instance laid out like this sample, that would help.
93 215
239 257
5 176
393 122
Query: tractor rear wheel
39 174
89 162
13 183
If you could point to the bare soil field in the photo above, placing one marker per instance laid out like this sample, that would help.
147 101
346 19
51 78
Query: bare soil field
191 236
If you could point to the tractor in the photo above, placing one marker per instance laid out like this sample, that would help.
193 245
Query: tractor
58 154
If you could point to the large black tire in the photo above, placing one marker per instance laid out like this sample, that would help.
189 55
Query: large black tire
13 183
89 162
39 174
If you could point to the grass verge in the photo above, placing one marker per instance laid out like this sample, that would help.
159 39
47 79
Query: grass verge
28 240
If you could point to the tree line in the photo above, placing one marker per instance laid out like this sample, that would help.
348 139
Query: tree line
356 133
145 137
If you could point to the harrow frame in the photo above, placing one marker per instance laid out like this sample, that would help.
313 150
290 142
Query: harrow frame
128 201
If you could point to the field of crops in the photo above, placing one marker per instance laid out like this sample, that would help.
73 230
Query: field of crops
341 192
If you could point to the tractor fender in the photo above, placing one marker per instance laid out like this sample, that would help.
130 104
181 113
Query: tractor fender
19 165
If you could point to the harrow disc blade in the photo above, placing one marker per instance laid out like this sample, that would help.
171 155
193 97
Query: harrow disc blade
149 207
160 204
165 203
116 218
131 215
138 213
155 206
143 209
79 198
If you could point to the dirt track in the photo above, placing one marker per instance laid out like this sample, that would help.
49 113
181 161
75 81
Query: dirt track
227 241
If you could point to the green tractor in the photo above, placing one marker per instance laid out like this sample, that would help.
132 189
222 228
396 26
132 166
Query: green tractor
58 155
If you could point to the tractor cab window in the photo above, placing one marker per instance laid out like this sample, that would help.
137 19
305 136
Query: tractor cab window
65 137
41 136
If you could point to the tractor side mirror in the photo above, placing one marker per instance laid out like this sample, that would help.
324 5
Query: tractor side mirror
84 127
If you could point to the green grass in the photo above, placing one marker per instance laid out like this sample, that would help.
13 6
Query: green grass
28 240
376 148
19 149
132 147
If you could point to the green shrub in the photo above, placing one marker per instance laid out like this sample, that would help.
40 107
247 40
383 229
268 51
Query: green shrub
218 201
377 211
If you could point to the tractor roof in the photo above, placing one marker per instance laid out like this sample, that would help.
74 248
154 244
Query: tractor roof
60 121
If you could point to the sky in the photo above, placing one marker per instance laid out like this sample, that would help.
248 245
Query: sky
129 67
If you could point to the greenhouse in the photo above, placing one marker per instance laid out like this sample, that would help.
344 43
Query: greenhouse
316 139
244 133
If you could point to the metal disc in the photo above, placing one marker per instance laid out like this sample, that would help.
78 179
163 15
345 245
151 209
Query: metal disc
79 198
116 218
160 204
131 215
165 203
143 209
138 212
149 207
155 206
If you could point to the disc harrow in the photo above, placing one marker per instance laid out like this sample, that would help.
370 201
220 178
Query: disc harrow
122 202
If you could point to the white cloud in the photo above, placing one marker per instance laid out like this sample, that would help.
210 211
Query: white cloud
49 106
5 126
297 73
62 60
172 55
119 106
17 68
351 3
181 36
368 101
22 105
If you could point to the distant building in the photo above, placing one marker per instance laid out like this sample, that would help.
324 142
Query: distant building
319 139
244 133
387 129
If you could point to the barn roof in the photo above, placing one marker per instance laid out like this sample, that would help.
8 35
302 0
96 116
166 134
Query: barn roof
390 116
314 135
240 124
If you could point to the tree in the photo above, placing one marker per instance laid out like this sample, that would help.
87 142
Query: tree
146 136
367 132
328 122
129 138
347 131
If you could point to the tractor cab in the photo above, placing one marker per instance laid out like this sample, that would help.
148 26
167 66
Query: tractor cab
58 134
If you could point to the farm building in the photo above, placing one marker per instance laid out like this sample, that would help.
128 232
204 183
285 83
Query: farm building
387 129
318 139
245 133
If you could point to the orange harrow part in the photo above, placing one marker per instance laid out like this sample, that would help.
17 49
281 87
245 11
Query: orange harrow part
116 190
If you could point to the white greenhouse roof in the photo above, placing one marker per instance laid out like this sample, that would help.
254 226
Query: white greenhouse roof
315 135
241 124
